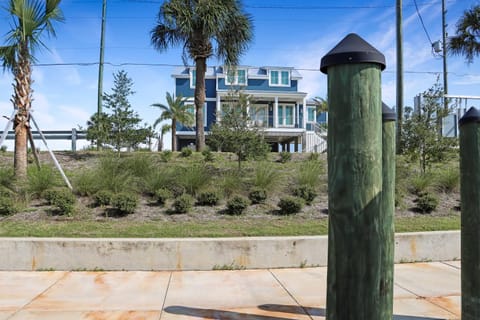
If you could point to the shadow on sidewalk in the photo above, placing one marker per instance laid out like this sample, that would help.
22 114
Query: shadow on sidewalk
322 312
292 309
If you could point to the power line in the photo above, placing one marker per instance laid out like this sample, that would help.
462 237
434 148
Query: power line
423 24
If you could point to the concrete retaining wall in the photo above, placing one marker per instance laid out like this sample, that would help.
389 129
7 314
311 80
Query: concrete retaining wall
202 253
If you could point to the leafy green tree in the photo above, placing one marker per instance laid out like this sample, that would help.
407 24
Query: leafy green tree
177 111
467 36
31 19
234 132
420 139
120 127
203 28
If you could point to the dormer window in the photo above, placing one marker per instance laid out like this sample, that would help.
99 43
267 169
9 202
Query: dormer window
236 77
279 78
193 78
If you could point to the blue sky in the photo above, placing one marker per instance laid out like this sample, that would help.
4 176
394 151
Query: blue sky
287 33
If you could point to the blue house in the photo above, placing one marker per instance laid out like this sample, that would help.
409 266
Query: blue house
287 119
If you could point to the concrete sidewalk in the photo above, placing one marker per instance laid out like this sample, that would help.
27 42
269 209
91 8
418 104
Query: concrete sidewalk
423 291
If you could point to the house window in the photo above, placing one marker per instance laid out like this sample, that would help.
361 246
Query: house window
311 114
279 78
236 77
258 115
193 78
286 115
192 110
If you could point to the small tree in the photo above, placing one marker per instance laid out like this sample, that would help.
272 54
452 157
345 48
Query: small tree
420 139
235 134
177 111
163 130
120 128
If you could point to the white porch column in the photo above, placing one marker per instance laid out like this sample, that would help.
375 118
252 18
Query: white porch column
275 113
305 115
296 121
218 111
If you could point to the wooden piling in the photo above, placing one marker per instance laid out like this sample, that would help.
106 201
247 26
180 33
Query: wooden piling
470 213
357 233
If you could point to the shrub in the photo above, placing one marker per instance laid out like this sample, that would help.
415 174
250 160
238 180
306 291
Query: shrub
183 204
103 198
3 149
427 203
6 176
62 198
193 178
162 195
8 206
139 165
232 182
290 205
419 184
115 175
257 195
266 177
207 155
447 180
166 155
313 156
306 192
86 183
186 152
41 179
285 156
208 198
309 173
160 178
237 205
125 202
176 190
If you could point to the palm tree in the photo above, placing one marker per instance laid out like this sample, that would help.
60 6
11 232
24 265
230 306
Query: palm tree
177 111
198 26
321 104
163 130
31 19
467 38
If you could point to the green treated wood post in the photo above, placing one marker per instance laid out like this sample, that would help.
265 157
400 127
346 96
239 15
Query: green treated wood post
388 209
356 235
470 216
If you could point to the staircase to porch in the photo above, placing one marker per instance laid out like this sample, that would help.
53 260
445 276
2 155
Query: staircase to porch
316 140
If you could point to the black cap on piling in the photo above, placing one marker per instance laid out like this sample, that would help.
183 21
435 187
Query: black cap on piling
352 49
472 115
388 114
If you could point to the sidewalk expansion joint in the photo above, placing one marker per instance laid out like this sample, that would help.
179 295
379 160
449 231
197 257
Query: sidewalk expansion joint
38 295
166 294
290 294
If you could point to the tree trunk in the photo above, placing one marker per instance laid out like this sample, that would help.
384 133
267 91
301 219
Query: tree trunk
174 134
201 66
22 101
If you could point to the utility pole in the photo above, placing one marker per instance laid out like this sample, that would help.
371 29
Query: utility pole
100 65
444 43
399 75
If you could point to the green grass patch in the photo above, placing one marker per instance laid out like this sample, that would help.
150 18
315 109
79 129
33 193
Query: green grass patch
232 227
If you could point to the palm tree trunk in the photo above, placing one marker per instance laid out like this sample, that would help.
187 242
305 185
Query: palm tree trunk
201 65
174 135
22 101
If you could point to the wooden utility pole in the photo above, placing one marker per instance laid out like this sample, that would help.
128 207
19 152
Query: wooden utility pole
100 65
399 10
444 44
470 203
356 233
